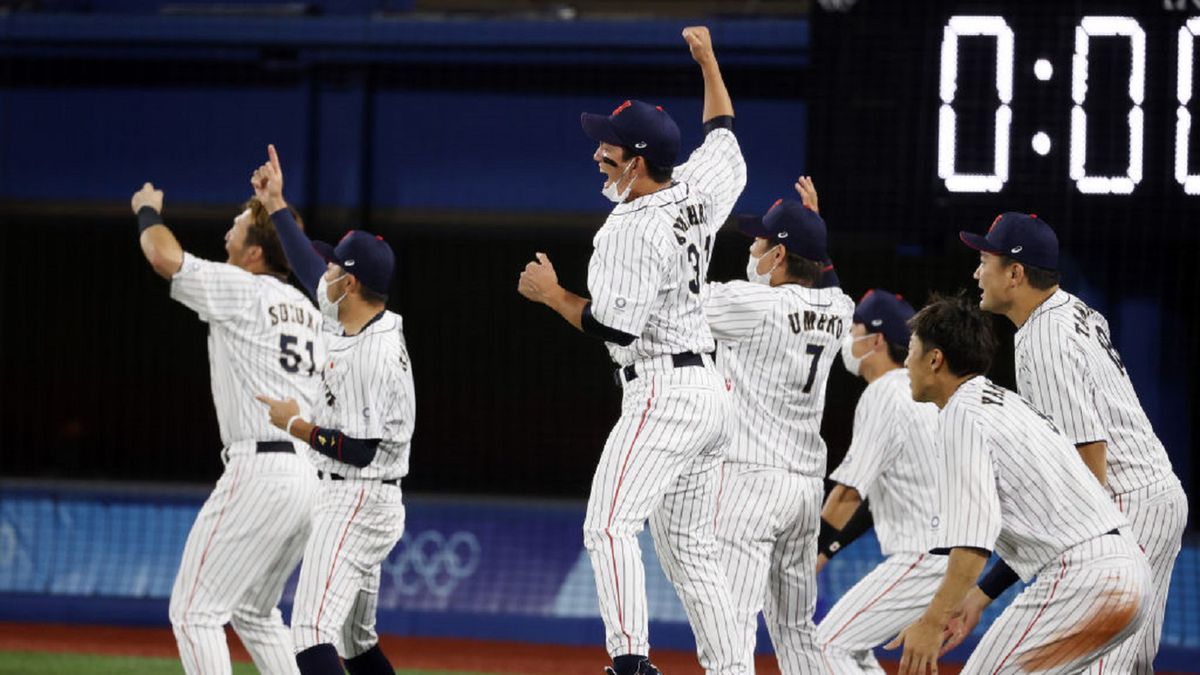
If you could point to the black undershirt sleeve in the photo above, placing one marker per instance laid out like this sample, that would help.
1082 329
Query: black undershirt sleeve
592 327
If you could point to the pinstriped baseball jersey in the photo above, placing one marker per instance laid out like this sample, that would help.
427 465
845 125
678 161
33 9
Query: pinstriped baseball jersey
1068 368
651 255
264 337
1012 483
889 460
369 394
777 346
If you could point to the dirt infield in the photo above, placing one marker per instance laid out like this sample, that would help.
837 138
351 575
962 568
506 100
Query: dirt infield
418 653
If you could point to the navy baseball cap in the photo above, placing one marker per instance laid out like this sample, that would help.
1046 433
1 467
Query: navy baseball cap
887 313
1021 236
367 256
797 227
644 128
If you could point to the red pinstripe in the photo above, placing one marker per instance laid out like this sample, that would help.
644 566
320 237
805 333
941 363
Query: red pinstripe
612 510
1062 573
204 554
873 601
333 565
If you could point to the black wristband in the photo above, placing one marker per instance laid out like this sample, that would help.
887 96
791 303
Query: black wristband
718 122
827 539
147 218
998 579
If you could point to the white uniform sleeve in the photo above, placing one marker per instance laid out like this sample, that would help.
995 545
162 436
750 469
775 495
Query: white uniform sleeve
216 291
717 169
969 502
874 446
1061 389
735 309
625 277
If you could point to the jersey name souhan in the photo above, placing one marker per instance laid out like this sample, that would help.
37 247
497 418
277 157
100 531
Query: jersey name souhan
1068 368
776 347
1012 483
264 337
369 395
891 460
650 258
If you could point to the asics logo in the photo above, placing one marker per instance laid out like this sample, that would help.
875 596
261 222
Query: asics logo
782 235
639 145
1017 249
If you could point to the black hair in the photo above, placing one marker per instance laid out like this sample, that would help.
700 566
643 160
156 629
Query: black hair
807 272
897 353
371 297
658 174
1039 278
955 325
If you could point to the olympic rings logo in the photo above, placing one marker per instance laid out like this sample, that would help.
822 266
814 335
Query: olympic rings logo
433 562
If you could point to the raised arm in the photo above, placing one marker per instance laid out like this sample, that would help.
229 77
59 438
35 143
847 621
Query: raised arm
159 245
268 188
716 97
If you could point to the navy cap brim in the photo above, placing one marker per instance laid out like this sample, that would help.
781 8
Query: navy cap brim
599 128
325 250
978 242
751 226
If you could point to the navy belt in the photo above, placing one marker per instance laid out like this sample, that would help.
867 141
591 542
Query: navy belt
685 360
274 446
338 476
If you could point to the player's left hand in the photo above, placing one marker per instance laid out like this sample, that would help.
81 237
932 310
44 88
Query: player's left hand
539 280
147 196
965 617
922 641
281 411
808 193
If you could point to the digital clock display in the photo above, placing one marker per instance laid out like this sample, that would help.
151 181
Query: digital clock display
1104 140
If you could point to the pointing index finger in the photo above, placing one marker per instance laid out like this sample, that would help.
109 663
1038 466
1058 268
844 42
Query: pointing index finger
274 156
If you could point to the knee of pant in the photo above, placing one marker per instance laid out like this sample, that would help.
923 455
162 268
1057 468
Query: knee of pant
179 616
305 635
599 537
245 619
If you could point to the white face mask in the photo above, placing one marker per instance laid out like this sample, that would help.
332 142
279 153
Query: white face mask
611 190
329 308
849 360
752 274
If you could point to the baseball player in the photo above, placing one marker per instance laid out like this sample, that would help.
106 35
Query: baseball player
889 461
262 336
778 335
1069 369
359 437
1011 483
662 459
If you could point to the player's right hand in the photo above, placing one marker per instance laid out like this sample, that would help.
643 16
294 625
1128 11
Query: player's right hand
268 182
964 618
147 196
700 43
808 193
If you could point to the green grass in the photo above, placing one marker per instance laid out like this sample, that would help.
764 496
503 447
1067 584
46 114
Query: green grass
39 663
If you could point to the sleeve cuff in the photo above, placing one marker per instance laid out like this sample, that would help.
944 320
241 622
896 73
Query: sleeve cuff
719 122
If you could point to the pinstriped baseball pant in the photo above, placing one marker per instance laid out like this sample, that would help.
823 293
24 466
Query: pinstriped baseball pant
356 523
1157 518
767 521
662 462
876 609
247 539
1083 605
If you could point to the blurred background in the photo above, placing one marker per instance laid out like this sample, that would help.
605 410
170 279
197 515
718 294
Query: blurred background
451 128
